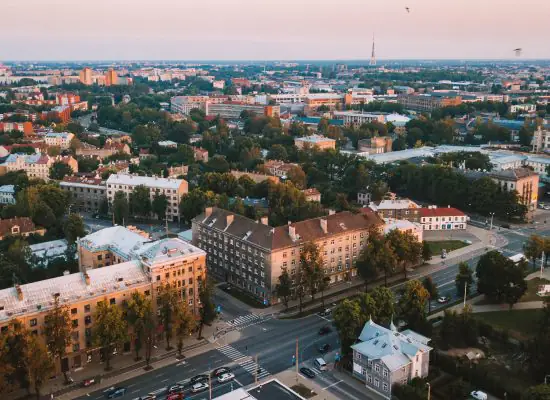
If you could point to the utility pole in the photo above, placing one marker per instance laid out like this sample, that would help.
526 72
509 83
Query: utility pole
210 383
542 264
492 215
465 291
429 390
297 369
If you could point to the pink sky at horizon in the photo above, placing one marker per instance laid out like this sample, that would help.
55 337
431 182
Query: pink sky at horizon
271 30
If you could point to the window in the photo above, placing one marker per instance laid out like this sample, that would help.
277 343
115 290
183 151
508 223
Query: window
112 301
33 322
158 278
370 363
377 368
87 320
74 311
76 347
385 373
87 308
99 257
376 382
147 293
75 323
385 387
369 378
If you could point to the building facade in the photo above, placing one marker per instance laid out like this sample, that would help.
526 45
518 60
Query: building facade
252 255
86 194
36 165
522 180
59 139
442 218
397 209
541 140
317 141
7 194
356 119
427 102
173 189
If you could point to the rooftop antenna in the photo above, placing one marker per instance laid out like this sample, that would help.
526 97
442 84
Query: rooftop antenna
373 55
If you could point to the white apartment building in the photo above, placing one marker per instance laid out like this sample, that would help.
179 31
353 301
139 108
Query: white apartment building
541 140
356 119
433 218
36 165
59 139
7 194
184 104
173 189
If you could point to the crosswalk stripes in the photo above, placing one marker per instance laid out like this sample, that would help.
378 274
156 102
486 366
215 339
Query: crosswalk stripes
246 362
244 319
231 352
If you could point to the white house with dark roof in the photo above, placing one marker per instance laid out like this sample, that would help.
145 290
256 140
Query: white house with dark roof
383 357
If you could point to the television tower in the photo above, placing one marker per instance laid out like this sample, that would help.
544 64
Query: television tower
372 56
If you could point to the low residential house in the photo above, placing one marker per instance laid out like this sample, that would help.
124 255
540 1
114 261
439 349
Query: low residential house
7 194
398 209
364 197
108 150
278 168
405 226
19 226
435 218
42 253
384 357
375 145
36 165
200 154
312 194
168 144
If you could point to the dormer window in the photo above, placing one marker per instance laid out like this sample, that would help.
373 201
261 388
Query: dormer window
15 229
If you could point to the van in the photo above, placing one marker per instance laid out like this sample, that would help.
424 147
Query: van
320 364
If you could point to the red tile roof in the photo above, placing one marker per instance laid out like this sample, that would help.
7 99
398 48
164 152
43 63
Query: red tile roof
25 225
441 212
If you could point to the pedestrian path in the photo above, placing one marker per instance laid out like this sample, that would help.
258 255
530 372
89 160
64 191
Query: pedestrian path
246 362
247 320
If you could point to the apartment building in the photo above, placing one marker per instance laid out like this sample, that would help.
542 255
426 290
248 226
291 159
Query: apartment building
278 168
435 218
375 145
317 141
59 139
356 119
404 226
25 127
233 109
7 194
252 255
85 76
110 148
384 357
256 177
331 100
152 264
428 102
36 165
19 226
173 189
541 140
86 194
61 113
397 209
524 181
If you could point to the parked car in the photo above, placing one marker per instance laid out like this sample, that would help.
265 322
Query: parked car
149 397
199 387
220 371
325 312
443 300
175 396
307 372
324 348
89 382
324 330
116 392
479 395
175 388
226 377
198 379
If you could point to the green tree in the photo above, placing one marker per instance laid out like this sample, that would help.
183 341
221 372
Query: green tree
464 277
534 247
297 176
431 287
347 319
159 205
207 310
539 392
17 349
384 299
413 303
110 329
121 208
139 313
311 264
284 287
74 228
277 152
58 331
407 248
39 363
184 324
169 301
140 201
192 204
59 170
426 251
42 215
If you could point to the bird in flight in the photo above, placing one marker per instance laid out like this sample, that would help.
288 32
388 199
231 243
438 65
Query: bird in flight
408 9
518 51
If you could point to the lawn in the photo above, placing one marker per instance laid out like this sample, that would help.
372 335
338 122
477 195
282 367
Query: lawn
532 288
520 323
303 390
449 245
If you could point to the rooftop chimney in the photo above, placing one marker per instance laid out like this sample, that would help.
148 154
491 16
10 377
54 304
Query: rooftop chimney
87 278
229 219
331 212
292 233
208 211
264 220
324 225
19 292
66 272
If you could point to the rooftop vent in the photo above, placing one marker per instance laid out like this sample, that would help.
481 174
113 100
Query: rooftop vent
247 235
376 342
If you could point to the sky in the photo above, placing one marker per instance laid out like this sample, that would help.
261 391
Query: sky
272 29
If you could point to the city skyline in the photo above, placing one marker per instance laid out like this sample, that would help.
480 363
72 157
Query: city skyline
245 30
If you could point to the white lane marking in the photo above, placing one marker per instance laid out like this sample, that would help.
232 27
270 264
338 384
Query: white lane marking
164 380
334 384
135 391
129 386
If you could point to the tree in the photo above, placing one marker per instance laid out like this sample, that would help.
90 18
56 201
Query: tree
39 364
407 248
426 251
311 264
297 176
192 204
17 349
464 277
324 284
110 329
207 310
140 201
159 205
539 392
185 323
169 301
284 287
534 247
385 304
413 303
139 312
59 170
366 264
431 288
58 331
74 228
378 255
347 319
43 215
300 285
277 152
121 208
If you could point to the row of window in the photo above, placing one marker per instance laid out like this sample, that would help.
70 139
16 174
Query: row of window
385 386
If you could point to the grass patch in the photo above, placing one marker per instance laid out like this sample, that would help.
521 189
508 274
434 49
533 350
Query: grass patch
532 288
303 390
242 296
438 245
521 324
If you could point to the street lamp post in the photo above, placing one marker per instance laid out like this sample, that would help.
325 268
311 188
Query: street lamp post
429 390
492 215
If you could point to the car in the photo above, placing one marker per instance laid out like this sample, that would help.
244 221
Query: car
324 348
225 377
88 382
148 397
198 379
325 312
479 395
199 387
443 299
324 330
307 372
220 371
175 388
175 396
116 392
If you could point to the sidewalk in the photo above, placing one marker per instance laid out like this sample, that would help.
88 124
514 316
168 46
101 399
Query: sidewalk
288 377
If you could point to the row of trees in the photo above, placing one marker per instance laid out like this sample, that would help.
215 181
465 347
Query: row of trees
139 204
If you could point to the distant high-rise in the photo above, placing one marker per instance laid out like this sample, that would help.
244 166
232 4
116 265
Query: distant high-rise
85 76
372 56
111 77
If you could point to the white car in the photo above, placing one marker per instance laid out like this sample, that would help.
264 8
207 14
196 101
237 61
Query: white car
443 300
479 395
199 387
225 377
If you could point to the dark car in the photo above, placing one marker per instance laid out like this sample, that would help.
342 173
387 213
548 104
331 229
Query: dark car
219 371
324 348
324 330
116 392
199 378
307 372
